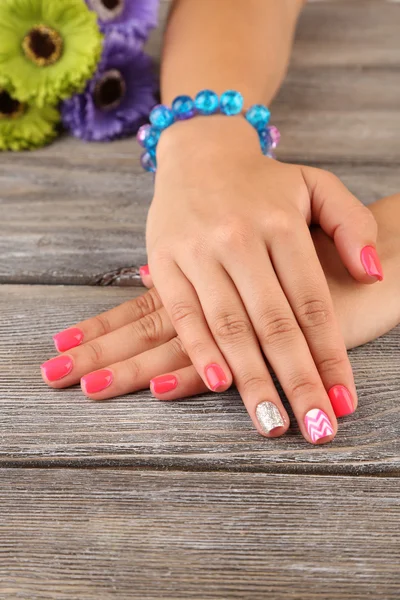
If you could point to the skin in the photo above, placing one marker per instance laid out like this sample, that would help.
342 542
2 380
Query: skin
136 341
228 237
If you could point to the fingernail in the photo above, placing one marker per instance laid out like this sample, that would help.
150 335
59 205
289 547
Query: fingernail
144 271
163 384
371 262
215 377
67 339
57 368
268 416
318 424
341 400
97 381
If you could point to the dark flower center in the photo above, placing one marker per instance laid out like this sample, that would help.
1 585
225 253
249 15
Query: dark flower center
43 45
110 90
108 9
9 107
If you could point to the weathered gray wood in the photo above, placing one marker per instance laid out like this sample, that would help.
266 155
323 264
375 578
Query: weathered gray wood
40 426
90 534
75 212
79 227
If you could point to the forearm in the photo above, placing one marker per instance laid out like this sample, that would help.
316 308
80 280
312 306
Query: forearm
228 44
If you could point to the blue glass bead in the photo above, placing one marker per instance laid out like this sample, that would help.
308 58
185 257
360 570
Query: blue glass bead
161 116
148 137
206 102
265 140
231 103
149 162
258 116
142 134
183 108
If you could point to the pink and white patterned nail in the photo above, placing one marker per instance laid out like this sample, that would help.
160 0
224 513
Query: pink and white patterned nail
318 424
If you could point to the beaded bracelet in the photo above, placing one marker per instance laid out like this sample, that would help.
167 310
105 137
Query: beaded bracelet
206 103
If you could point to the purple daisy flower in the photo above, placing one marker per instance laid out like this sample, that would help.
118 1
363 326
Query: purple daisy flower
129 16
120 96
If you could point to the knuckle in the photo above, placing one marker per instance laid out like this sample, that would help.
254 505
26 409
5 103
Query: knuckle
314 313
182 312
275 327
231 328
253 383
160 254
303 385
233 234
178 349
134 369
280 223
143 305
332 364
196 248
150 327
95 352
103 324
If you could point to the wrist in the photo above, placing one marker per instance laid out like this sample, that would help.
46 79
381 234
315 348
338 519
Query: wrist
206 136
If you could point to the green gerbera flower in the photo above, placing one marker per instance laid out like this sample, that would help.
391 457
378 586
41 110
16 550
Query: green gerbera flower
25 126
48 48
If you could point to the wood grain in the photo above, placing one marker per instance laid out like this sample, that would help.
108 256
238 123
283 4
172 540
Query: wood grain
40 426
75 212
90 534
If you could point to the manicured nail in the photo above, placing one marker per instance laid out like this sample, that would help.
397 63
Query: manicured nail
318 424
215 377
163 384
97 381
371 262
57 368
341 400
144 271
268 416
67 339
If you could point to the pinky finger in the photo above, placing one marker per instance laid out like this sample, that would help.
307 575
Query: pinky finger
178 384
145 276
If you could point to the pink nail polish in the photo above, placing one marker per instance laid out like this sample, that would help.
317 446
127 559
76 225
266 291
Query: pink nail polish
57 368
163 384
371 262
97 381
318 424
67 339
144 271
215 377
341 400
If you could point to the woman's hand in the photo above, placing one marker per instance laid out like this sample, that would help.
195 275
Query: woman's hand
233 261
123 349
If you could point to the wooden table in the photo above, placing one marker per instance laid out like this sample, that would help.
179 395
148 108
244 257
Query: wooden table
134 498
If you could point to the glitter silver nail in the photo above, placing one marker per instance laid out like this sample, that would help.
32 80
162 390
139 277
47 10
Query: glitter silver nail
268 416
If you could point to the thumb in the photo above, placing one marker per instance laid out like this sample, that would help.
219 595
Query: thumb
347 221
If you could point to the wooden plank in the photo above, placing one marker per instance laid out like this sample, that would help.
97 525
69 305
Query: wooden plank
336 33
75 212
80 225
89 534
42 427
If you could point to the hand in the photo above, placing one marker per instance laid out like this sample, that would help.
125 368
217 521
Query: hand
135 342
232 258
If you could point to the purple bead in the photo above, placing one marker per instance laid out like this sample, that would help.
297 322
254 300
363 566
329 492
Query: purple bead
275 135
142 134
